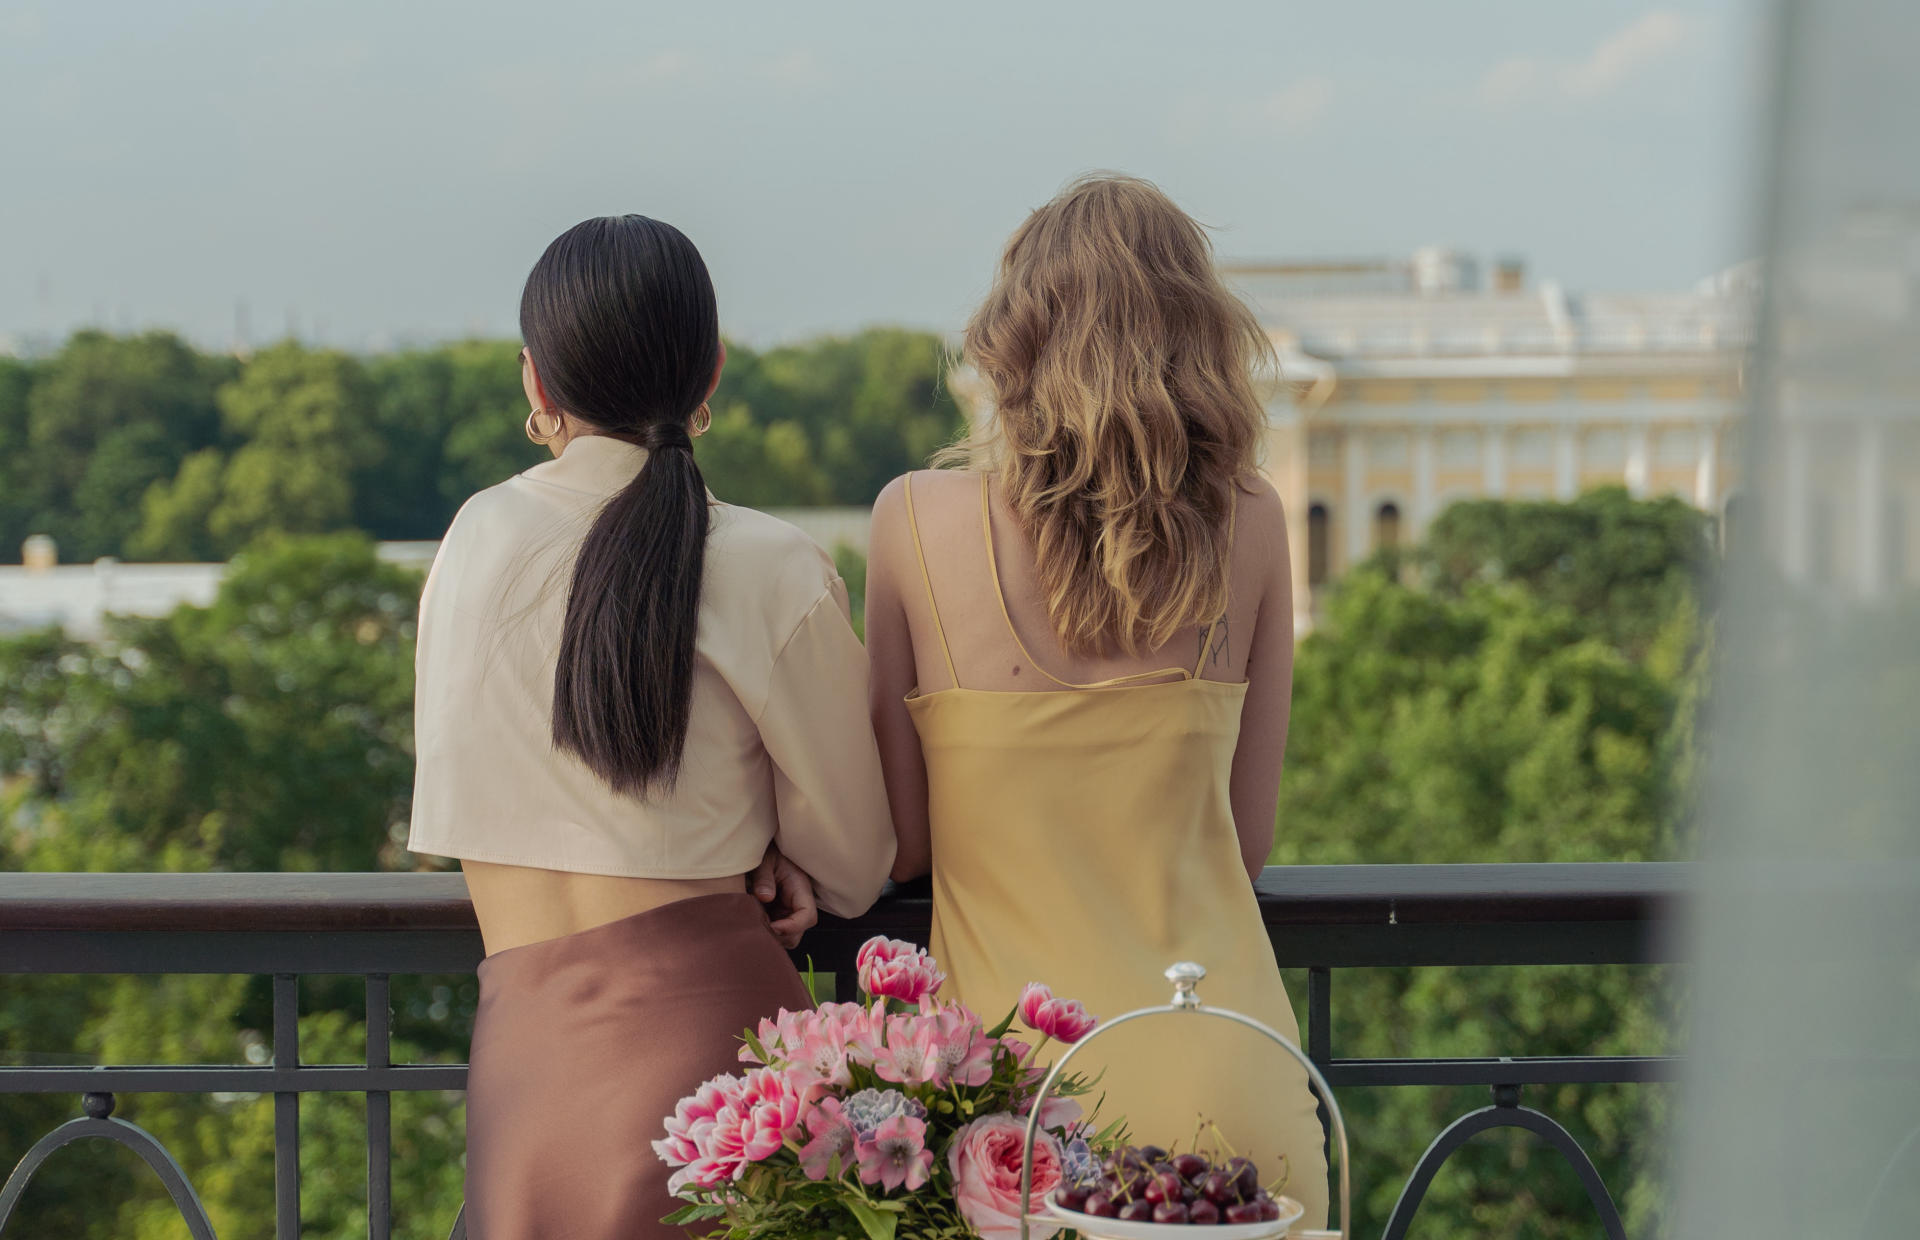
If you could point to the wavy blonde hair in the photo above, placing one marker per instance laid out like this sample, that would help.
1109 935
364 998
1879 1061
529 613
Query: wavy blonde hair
1121 372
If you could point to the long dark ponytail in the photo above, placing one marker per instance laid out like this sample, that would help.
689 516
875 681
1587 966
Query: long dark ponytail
620 319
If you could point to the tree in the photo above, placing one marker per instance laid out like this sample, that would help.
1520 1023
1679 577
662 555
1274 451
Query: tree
1605 555
106 418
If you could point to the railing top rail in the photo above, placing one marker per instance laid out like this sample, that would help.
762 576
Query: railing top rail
1488 895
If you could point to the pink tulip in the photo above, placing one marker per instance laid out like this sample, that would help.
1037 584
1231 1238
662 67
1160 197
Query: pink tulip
897 1154
1063 1020
896 969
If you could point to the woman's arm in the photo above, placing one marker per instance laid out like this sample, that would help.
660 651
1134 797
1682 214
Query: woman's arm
827 786
892 676
1263 719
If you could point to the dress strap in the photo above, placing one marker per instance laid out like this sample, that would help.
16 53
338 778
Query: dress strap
993 571
1206 638
920 554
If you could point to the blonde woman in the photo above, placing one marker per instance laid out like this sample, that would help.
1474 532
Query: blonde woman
1082 655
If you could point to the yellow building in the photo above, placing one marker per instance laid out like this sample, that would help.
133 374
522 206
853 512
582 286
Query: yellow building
1407 385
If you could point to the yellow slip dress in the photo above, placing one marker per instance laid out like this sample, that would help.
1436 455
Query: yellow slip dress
1084 837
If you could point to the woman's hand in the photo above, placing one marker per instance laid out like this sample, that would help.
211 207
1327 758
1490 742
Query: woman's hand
787 892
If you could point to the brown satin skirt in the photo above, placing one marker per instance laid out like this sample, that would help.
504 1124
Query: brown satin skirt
581 1047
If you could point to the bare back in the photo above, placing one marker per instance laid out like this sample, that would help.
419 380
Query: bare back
1252 642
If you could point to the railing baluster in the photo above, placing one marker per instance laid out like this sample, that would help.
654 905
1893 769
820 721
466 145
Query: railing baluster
286 1108
379 1112
1320 1043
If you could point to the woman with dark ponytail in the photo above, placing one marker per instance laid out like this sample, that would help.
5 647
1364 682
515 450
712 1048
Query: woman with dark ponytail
640 717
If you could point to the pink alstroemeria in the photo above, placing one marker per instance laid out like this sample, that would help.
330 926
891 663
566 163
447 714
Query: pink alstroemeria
779 1036
964 1050
1063 1020
896 969
1056 1113
832 1135
859 1027
897 1154
911 1055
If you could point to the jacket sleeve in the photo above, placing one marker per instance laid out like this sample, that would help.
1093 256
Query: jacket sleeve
828 793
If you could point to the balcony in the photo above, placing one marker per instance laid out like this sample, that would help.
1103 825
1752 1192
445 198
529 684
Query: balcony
376 927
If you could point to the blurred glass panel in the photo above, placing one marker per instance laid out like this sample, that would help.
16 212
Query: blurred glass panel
1804 1096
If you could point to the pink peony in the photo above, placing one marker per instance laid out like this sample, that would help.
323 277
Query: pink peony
1063 1020
985 1161
895 969
832 1135
897 1154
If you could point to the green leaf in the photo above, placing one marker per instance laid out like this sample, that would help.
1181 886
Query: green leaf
1000 1029
877 1225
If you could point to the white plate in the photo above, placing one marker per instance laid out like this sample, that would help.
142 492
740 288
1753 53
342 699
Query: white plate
1126 1229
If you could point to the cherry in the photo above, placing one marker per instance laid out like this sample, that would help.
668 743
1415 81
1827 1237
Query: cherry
1269 1209
1219 1188
1164 1187
1152 1153
1243 1212
1246 1176
1191 1166
1074 1198
1203 1211
1100 1205
1170 1212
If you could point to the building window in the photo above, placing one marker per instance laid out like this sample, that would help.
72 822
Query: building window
1386 526
1677 447
1531 447
1604 447
1319 543
1387 449
1459 448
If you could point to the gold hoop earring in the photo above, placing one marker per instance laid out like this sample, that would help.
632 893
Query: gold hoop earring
538 436
702 420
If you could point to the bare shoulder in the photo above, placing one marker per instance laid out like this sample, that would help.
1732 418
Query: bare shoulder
1262 515
935 493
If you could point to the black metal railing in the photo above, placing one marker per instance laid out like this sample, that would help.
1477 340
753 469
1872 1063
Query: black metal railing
378 926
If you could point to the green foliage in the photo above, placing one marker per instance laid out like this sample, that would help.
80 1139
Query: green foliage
1523 687
831 421
141 448
105 418
1604 555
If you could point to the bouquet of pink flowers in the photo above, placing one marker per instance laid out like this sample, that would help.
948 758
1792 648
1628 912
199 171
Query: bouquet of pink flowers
901 1115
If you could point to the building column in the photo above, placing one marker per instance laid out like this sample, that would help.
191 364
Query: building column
1870 509
1639 461
1566 463
1796 513
1706 473
1423 487
1493 463
1354 522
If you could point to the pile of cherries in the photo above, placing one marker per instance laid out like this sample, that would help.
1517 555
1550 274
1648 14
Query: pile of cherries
1146 1184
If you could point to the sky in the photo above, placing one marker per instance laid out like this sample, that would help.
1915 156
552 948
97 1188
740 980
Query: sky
371 174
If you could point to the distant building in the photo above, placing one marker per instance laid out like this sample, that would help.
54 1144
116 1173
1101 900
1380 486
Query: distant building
1406 385
40 592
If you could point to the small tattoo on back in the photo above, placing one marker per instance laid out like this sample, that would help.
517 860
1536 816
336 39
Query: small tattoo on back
1218 633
